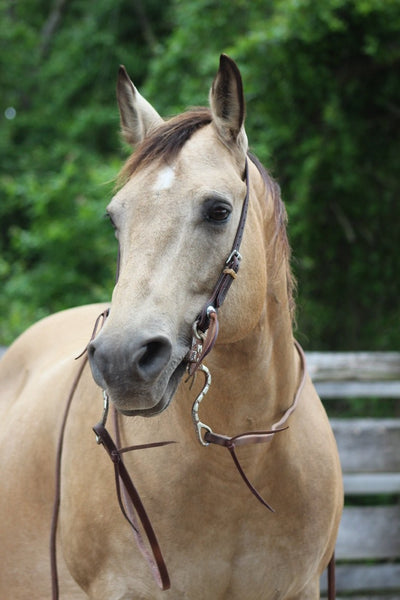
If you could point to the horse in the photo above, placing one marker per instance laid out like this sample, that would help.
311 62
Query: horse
176 211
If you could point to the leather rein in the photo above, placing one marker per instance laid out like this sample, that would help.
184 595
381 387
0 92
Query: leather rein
205 332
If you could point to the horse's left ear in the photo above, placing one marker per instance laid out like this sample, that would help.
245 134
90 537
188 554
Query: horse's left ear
227 103
138 117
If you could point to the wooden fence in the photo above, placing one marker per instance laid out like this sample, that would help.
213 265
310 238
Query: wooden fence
368 547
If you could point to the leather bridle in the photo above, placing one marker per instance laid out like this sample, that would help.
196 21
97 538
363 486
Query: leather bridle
205 331
231 267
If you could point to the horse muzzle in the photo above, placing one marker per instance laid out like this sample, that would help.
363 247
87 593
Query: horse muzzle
140 375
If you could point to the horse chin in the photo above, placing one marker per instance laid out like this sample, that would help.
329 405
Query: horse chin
164 401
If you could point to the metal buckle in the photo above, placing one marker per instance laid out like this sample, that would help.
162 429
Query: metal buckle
199 335
210 309
199 427
234 253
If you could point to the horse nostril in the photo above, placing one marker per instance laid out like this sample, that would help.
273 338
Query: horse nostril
97 363
151 353
152 357
137 361
91 349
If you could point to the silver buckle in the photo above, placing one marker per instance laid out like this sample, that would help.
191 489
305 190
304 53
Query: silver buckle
234 253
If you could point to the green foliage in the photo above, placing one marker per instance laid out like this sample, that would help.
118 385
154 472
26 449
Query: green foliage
59 249
323 106
59 154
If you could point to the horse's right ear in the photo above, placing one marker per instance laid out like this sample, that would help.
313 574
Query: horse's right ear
138 117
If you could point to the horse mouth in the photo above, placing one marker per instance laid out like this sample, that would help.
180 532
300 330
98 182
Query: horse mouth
165 400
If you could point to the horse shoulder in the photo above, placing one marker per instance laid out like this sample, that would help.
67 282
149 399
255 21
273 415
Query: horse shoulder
36 374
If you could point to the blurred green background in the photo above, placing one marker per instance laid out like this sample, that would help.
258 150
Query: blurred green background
322 83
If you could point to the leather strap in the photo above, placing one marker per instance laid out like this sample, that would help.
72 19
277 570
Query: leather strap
133 503
259 437
205 327
332 578
231 267
202 343
240 440
57 491
129 492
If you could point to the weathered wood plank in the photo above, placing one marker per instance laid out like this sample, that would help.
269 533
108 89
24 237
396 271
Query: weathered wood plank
382 596
365 578
357 389
368 445
361 484
353 366
369 532
370 456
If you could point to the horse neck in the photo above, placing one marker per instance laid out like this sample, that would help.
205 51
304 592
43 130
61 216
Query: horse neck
255 380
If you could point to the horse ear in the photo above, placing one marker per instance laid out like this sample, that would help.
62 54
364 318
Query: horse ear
138 117
227 103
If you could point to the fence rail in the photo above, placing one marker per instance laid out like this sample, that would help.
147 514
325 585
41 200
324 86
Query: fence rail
368 546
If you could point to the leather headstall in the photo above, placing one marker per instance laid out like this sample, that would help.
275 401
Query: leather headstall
205 328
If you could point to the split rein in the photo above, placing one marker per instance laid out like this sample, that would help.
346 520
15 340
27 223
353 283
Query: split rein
205 332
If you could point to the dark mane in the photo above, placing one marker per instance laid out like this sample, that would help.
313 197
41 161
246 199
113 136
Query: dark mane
280 243
167 140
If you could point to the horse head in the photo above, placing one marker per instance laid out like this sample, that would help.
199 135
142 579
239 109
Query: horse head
175 217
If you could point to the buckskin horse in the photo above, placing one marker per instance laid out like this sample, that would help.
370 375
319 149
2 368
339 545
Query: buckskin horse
180 218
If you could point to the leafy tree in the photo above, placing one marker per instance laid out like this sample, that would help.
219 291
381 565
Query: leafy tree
323 97
59 147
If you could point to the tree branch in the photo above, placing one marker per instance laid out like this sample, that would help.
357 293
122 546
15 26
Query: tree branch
50 27
145 25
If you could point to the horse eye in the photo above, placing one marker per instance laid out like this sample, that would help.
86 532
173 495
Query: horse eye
218 213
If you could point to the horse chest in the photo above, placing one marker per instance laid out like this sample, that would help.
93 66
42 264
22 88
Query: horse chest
217 540
227 546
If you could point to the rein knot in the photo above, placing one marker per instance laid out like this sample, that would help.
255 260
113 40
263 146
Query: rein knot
115 456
